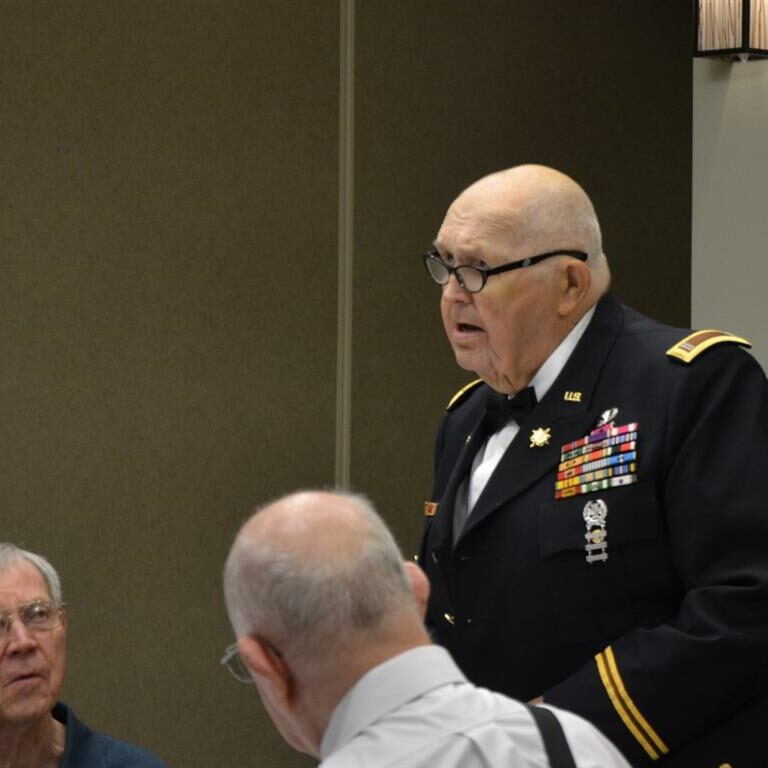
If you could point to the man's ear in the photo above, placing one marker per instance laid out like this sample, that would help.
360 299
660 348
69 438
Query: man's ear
419 585
265 663
576 283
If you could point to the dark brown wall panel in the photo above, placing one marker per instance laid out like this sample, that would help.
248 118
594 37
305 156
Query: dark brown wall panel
168 330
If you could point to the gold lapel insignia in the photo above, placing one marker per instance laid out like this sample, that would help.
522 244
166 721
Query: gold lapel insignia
540 437
572 397
430 508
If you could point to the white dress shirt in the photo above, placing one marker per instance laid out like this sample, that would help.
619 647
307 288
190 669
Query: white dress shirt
489 454
418 710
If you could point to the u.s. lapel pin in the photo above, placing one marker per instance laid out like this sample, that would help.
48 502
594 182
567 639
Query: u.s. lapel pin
595 515
606 417
540 437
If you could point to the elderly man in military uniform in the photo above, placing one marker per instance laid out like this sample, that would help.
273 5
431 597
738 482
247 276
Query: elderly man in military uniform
598 527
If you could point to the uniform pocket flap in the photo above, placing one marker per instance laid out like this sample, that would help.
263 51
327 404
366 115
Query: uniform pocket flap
633 515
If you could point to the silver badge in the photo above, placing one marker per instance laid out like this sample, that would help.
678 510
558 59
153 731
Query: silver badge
595 514
606 417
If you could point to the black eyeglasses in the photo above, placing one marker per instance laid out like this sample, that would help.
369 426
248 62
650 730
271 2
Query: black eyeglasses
473 279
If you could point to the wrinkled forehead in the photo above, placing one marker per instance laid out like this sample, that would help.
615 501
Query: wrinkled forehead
21 582
475 224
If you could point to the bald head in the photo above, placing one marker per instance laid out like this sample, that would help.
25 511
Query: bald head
312 568
312 526
539 208
318 594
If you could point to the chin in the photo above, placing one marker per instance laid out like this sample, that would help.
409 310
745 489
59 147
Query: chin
468 361
28 711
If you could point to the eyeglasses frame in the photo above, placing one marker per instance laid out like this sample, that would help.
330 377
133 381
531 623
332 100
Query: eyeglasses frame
231 653
434 255
231 660
59 610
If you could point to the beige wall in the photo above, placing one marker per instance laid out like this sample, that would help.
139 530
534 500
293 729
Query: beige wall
730 225
168 307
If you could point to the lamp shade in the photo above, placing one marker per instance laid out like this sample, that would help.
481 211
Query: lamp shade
731 29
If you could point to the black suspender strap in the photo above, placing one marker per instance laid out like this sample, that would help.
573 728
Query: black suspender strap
555 744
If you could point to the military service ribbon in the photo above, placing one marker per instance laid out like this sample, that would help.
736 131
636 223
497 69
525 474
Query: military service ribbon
605 458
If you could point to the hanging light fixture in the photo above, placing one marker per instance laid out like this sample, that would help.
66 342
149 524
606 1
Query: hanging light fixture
732 29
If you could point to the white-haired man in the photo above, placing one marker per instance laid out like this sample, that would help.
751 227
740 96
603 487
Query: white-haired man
597 528
35 728
329 626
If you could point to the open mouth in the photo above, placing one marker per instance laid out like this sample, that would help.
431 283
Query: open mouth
468 328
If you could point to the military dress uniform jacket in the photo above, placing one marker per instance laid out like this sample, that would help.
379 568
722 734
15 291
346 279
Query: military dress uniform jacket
664 644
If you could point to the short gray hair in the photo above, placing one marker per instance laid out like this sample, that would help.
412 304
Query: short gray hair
301 605
11 555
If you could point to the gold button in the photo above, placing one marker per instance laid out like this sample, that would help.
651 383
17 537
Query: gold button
449 618
725 765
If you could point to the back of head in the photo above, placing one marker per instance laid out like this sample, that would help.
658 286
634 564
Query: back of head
313 571
11 555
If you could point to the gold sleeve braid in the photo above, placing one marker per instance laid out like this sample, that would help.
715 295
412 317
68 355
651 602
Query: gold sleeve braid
630 715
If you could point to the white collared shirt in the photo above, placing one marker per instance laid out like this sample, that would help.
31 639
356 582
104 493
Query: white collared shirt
489 454
417 710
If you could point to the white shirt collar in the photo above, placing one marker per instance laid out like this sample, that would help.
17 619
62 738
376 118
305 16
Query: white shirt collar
555 363
385 688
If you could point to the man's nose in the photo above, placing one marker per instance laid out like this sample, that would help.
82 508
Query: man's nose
20 638
453 290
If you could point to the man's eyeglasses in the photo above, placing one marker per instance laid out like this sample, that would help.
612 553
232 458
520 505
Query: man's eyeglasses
473 279
37 616
236 666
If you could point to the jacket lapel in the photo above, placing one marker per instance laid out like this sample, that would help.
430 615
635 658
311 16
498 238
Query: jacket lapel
524 462
443 524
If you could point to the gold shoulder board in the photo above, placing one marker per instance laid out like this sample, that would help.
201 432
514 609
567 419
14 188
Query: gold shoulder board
689 348
462 393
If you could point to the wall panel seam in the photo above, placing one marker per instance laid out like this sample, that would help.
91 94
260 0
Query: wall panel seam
345 245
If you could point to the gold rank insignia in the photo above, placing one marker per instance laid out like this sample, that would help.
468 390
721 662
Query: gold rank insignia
540 437
430 508
689 348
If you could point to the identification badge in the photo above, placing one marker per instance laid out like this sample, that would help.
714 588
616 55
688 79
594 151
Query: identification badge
595 517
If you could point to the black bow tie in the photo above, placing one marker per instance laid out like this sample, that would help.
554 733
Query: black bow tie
500 408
